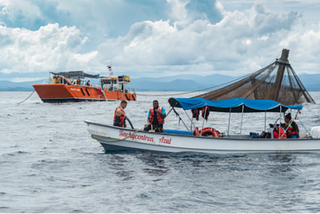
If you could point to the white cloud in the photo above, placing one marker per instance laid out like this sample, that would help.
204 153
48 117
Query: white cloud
48 49
221 47
187 40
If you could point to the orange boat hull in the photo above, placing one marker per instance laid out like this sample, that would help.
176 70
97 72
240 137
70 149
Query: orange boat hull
54 93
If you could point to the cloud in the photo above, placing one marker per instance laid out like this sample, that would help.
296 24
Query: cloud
150 38
218 47
32 14
204 9
50 48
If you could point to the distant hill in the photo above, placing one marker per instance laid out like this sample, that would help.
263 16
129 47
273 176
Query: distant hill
18 86
179 82
310 81
175 85
171 83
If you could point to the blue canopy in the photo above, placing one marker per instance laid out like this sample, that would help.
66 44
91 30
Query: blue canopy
232 105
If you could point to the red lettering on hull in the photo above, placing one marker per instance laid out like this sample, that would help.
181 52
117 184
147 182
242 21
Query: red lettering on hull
165 141
136 136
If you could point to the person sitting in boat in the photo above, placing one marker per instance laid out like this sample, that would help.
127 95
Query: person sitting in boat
156 117
88 83
282 132
119 115
291 127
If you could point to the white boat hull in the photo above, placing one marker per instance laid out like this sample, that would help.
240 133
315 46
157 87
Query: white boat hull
117 138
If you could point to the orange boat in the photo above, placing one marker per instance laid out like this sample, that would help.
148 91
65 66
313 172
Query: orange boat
73 86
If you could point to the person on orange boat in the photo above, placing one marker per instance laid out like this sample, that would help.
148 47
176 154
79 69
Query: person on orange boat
78 81
291 127
88 83
119 115
156 117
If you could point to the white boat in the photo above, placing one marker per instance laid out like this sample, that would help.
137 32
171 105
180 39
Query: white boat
118 138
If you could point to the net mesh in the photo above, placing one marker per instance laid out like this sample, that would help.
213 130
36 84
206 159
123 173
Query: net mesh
277 81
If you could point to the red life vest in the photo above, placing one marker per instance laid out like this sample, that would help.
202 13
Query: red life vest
205 112
195 113
121 117
283 134
160 119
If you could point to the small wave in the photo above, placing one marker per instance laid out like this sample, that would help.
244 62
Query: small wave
16 153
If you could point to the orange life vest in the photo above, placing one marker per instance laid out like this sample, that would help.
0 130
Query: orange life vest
160 119
283 134
121 117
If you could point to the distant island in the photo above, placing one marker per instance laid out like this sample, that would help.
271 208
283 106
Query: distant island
172 83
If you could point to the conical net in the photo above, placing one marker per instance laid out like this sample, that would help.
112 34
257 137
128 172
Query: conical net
277 81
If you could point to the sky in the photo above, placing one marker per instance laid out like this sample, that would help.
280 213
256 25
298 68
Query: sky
156 38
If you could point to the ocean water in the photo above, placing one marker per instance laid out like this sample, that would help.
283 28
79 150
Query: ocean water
49 163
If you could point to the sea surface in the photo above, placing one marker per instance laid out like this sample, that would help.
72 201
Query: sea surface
49 163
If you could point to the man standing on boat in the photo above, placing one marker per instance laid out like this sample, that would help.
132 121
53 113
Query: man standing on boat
156 117
119 115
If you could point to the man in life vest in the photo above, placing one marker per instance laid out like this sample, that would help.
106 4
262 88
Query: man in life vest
156 117
291 127
119 115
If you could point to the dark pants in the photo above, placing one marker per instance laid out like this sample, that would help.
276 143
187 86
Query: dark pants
156 128
117 124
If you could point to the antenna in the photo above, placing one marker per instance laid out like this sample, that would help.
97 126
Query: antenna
110 70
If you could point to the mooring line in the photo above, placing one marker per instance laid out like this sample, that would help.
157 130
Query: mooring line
26 98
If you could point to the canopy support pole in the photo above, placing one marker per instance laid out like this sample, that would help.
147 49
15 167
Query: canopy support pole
205 112
304 126
241 120
169 111
229 122
265 120
280 121
180 118
190 120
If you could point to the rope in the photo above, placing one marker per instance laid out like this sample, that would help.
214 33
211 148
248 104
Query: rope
26 98
119 139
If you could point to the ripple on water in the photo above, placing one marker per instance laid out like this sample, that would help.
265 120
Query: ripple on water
49 163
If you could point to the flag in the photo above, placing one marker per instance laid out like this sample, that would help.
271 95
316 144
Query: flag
109 67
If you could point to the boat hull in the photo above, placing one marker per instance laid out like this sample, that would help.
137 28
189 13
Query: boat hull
57 93
117 138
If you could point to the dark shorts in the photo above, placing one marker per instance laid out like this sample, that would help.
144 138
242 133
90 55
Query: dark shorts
156 128
117 124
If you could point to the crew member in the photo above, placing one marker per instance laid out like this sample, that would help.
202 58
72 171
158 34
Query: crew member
156 117
291 127
88 83
119 115
78 81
